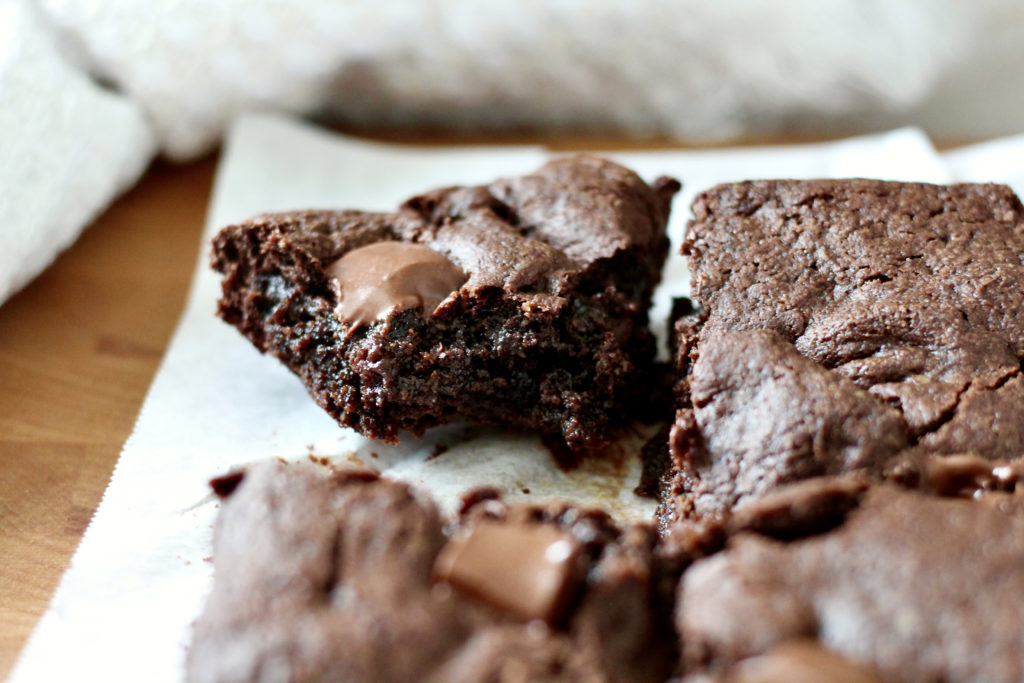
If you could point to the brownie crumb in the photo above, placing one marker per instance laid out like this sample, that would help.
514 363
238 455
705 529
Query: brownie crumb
225 484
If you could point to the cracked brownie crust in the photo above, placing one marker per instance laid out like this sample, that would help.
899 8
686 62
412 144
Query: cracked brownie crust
909 588
851 324
535 316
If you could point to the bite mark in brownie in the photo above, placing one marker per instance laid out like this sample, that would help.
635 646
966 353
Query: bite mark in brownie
845 325
323 575
545 327
910 587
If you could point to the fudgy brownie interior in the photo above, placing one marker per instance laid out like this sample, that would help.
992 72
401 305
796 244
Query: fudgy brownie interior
522 303
323 575
846 325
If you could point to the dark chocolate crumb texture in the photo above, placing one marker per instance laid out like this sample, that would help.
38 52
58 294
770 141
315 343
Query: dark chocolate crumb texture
522 303
341 576
847 325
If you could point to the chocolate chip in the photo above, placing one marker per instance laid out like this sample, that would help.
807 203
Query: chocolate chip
525 569
381 277
225 485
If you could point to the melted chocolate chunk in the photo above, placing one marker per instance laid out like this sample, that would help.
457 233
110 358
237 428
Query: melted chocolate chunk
382 278
525 569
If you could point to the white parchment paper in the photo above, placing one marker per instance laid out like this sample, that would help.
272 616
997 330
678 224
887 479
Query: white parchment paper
996 161
124 608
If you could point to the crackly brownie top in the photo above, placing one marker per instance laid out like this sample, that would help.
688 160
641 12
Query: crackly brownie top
846 325
325 575
912 587
536 234
912 291
766 416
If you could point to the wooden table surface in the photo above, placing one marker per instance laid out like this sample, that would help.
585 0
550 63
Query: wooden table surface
78 349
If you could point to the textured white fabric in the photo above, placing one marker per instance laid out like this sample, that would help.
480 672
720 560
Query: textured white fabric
690 68
694 69
66 148
995 161
196 64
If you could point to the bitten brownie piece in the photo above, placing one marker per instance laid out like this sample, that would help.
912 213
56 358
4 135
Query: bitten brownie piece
323 575
845 325
909 588
522 303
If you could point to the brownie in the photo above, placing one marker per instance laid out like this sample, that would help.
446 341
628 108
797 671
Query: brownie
910 587
522 303
323 575
845 325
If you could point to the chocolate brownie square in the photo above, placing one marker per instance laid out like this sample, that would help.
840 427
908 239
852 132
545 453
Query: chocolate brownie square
522 303
845 325
323 575
910 587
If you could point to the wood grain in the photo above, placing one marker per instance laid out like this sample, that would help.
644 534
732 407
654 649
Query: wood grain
78 349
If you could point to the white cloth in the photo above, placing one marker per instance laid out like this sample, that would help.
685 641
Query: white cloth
996 161
690 68
66 147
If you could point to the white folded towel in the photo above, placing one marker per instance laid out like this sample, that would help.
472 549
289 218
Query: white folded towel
66 147
690 68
